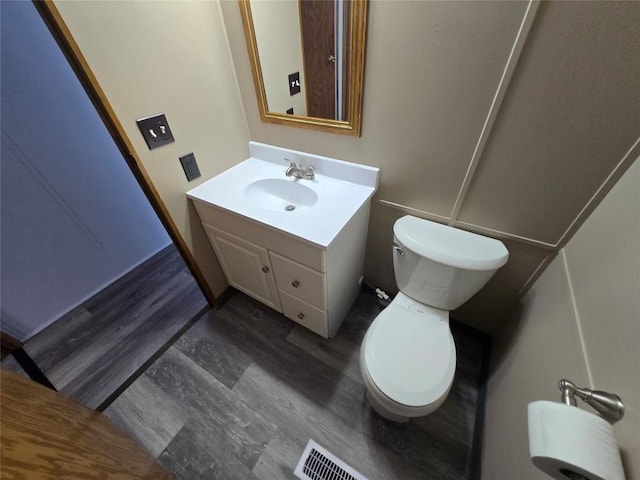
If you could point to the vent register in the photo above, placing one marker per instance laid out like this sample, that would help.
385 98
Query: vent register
317 463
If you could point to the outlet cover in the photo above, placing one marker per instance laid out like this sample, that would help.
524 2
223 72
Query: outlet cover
190 166
155 130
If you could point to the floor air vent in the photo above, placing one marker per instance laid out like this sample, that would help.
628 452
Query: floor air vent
317 463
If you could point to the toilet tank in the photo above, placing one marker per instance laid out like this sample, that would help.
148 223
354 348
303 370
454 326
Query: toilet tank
442 266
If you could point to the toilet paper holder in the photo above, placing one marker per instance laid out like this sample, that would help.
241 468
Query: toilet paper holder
608 405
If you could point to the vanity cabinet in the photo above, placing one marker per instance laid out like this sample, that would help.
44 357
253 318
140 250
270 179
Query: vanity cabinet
312 285
296 245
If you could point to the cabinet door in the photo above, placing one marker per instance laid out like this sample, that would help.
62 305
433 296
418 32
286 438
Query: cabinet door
246 266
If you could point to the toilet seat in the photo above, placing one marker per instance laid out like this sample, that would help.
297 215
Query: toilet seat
409 354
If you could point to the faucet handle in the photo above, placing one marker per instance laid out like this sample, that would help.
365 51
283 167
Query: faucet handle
308 172
292 163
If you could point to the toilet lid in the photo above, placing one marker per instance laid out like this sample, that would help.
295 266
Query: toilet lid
410 355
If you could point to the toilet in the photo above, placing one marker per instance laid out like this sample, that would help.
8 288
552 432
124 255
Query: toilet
408 356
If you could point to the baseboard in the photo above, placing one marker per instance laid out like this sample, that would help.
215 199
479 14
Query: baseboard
95 291
225 296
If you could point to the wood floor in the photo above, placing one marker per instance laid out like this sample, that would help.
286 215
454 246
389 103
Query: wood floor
241 392
97 347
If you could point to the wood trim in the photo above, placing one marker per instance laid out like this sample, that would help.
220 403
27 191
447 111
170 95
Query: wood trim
627 160
542 266
357 43
499 234
8 344
468 226
346 56
80 66
254 57
496 104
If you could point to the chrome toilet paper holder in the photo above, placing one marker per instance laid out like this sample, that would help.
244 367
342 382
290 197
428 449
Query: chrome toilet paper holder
608 405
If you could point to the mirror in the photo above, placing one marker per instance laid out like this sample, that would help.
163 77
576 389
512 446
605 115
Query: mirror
307 59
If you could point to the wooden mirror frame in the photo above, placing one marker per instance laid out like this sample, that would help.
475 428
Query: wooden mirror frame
357 41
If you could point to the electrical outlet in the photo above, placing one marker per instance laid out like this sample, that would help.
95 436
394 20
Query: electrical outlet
155 130
190 166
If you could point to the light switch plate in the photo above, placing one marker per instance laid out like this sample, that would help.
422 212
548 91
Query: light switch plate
190 166
294 83
155 130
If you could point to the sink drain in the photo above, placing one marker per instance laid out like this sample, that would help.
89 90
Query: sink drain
290 208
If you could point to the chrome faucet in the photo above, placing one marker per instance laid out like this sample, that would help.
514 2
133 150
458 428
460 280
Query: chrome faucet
306 171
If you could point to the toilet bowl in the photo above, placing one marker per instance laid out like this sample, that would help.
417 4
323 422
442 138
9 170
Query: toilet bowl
408 356
408 359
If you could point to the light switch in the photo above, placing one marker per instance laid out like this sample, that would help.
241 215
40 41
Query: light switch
294 83
155 130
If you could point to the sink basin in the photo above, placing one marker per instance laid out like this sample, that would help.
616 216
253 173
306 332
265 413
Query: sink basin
281 195
315 211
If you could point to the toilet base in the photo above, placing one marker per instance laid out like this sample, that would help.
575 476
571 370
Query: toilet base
384 412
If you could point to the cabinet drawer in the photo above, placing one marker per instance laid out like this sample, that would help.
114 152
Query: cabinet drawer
306 315
299 281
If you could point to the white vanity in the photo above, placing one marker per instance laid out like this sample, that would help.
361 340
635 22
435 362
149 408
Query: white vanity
295 244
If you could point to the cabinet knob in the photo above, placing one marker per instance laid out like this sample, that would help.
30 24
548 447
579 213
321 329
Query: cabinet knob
295 284
265 269
300 315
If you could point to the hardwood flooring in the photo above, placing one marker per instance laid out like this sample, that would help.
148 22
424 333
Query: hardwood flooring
241 392
99 346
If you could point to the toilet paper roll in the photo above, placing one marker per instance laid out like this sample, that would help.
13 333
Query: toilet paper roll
566 442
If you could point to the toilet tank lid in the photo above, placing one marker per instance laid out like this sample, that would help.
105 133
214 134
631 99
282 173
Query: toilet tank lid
450 246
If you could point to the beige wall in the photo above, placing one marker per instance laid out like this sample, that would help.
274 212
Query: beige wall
169 57
277 27
579 321
560 139
514 135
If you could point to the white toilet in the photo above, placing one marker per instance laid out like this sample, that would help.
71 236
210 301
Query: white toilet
408 357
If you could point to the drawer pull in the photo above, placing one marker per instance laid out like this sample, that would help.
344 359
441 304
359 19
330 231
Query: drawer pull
265 269
295 284
300 315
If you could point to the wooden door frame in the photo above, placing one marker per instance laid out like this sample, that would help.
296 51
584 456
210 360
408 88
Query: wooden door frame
80 66
8 344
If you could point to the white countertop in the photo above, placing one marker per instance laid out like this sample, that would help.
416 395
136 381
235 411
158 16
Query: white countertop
342 189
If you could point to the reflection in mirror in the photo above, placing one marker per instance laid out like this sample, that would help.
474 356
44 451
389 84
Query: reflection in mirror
307 59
